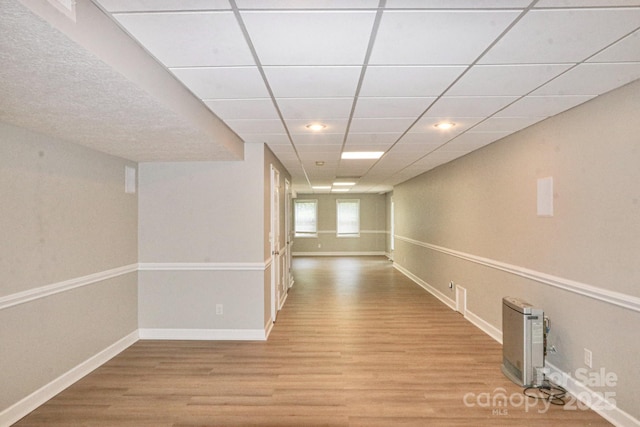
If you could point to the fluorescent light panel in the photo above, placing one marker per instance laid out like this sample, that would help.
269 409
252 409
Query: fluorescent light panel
357 155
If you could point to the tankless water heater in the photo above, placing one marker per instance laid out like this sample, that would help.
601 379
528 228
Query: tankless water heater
522 341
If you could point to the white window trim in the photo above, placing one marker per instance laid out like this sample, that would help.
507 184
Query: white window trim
347 235
305 235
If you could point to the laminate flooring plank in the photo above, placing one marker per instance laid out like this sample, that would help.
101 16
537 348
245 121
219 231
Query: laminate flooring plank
356 344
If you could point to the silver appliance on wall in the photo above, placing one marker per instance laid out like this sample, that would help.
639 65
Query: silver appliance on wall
523 336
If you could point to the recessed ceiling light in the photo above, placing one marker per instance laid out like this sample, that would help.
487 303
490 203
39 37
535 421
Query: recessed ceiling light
339 190
320 163
316 126
344 183
321 187
444 125
362 154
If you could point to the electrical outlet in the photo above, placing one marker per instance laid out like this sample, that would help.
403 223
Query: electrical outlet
588 358
219 309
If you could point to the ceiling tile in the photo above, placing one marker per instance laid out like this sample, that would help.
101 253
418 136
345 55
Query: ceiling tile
542 106
585 3
313 82
162 5
506 124
267 138
381 125
227 109
468 106
591 79
223 82
310 38
408 81
457 4
391 107
315 108
319 139
564 39
378 138
498 80
213 39
626 50
423 37
307 4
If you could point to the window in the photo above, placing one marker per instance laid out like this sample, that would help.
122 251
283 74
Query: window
306 218
348 221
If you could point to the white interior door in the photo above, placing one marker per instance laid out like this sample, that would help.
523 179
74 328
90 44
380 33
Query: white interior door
275 242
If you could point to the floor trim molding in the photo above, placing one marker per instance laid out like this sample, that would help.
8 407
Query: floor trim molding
203 334
23 407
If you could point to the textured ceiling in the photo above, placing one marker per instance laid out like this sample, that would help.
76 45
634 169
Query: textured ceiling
51 85
379 74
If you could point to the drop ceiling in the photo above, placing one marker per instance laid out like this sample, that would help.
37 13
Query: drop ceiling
380 74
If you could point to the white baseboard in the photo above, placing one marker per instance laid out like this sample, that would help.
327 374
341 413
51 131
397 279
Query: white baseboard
203 334
484 326
588 397
267 329
20 409
433 291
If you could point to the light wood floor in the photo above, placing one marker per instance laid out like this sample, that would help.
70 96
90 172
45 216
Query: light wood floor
357 343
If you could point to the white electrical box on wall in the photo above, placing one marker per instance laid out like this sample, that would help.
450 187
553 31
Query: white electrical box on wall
545 196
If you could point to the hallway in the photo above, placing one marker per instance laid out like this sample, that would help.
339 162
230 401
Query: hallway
357 343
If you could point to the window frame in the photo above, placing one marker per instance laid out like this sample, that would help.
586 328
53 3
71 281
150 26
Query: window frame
309 234
346 235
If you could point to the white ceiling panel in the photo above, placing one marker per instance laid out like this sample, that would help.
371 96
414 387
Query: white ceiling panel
381 125
313 82
586 3
378 138
223 82
559 36
506 124
212 39
626 50
163 5
457 4
306 4
424 37
310 38
591 79
315 109
469 106
228 109
409 81
312 138
268 68
542 106
505 79
391 107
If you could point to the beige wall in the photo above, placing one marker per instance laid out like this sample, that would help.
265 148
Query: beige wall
64 216
203 241
373 228
467 219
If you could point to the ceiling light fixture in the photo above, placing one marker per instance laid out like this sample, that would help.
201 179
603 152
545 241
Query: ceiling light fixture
444 125
362 154
319 163
316 126
344 183
321 187
339 190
